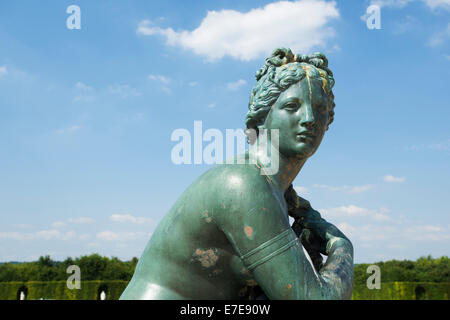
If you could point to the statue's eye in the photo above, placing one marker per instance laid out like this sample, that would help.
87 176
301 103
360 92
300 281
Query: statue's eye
291 106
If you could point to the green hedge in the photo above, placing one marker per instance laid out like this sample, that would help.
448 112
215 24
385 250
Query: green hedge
90 290
58 290
404 291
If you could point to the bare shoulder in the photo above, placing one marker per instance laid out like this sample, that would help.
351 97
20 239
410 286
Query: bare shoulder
239 192
235 181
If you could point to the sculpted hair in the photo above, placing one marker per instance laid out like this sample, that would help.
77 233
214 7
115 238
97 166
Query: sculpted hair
281 70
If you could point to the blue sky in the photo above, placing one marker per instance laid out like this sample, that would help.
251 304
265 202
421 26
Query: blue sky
86 117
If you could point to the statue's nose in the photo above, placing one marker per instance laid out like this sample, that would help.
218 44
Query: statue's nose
307 118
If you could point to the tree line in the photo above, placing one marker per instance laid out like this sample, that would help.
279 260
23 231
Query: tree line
93 267
96 267
424 269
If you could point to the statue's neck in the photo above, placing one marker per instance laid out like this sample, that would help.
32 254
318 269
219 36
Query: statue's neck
280 169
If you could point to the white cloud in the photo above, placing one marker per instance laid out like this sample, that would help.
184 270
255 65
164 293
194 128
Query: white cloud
347 189
358 189
21 225
48 234
124 91
439 146
335 48
16 236
193 83
236 84
107 235
404 25
212 105
81 220
84 87
84 92
370 237
129 218
121 236
51 234
440 37
58 224
431 228
396 246
163 80
301 190
427 233
346 228
68 129
15 74
355 211
300 25
434 4
385 3
390 3
84 98
368 233
3 71
159 78
69 235
419 233
140 115
166 89
389 178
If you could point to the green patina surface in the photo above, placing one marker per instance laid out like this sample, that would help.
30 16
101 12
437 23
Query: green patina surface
228 235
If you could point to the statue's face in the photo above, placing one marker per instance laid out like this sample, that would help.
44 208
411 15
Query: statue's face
301 116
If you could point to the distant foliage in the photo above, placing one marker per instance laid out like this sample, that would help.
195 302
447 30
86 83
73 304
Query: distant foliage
96 267
93 267
404 290
57 290
425 269
426 278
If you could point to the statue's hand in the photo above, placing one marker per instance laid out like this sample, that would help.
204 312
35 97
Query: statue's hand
302 214
318 232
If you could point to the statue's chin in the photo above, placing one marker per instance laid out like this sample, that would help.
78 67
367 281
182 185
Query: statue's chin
302 151
299 154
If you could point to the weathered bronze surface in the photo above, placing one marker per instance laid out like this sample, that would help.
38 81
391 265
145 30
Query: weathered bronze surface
228 236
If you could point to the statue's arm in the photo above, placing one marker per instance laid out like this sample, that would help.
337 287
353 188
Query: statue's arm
318 235
260 233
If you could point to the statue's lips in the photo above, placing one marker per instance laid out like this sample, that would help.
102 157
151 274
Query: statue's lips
307 136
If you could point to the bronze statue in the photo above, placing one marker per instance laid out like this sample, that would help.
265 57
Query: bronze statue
228 236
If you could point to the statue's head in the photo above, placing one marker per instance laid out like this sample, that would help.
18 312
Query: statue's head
293 94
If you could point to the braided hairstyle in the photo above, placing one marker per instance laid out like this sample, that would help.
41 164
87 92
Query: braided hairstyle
281 70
